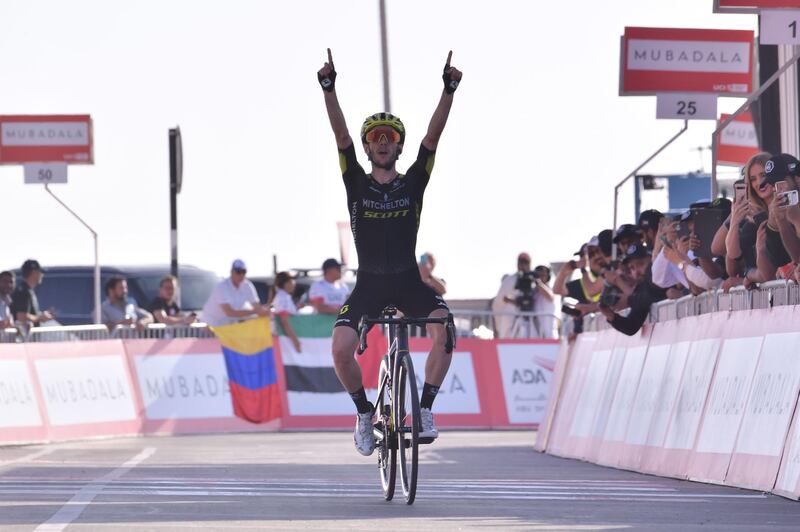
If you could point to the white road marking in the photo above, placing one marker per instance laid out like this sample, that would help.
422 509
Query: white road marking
28 457
435 489
78 503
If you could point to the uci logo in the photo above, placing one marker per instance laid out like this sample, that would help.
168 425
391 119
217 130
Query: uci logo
769 166
344 310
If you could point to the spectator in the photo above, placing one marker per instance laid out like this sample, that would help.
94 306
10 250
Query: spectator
781 247
747 214
645 293
502 307
119 309
165 309
328 294
283 306
233 299
427 262
585 290
6 289
25 304
544 304
626 236
649 222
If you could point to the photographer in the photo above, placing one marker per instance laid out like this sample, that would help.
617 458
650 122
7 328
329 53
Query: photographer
525 285
503 303
645 293
544 304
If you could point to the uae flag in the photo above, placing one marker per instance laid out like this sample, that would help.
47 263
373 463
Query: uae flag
312 387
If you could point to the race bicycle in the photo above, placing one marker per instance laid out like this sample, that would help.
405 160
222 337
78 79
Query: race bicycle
397 425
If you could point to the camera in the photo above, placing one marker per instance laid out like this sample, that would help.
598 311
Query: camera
610 296
524 284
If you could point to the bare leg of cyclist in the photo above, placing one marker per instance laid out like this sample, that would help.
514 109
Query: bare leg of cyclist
439 360
435 370
345 341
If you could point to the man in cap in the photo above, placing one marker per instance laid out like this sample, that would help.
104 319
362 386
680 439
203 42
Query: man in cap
649 221
328 294
780 236
25 304
626 236
233 299
637 261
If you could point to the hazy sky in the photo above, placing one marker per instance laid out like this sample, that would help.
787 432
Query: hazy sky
536 140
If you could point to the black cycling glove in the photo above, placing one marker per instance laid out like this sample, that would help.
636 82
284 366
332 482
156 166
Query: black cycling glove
450 84
327 82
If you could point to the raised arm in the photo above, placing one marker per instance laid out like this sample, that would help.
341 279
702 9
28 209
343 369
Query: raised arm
327 80
451 77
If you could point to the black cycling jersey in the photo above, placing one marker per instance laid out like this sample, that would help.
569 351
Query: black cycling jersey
385 218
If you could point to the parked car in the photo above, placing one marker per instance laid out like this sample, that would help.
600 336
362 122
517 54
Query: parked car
70 289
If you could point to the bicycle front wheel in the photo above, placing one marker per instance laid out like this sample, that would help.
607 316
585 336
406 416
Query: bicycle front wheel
387 444
408 425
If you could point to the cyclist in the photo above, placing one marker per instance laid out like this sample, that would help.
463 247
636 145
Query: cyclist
385 208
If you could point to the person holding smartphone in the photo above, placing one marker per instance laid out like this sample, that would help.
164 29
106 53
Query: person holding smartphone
747 214
427 262
781 242
164 306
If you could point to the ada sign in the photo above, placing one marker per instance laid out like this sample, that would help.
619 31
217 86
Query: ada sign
655 60
527 373
45 173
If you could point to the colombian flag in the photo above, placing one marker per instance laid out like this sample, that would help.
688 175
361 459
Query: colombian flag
250 361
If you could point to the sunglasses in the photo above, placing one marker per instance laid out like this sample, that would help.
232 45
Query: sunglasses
374 135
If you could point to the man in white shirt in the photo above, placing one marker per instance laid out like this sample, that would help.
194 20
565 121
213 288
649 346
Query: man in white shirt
329 294
234 299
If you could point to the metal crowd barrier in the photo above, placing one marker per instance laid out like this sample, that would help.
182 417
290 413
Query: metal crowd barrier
474 323
767 295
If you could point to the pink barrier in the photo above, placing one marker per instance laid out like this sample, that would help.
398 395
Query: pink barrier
763 435
710 398
22 419
575 363
559 374
611 450
673 456
73 390
86 389
182 387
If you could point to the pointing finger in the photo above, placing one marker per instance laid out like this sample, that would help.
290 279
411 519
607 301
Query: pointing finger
330 57
449 55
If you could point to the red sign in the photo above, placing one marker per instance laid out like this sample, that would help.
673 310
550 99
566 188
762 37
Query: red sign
738 141
46 138
686 60
756 4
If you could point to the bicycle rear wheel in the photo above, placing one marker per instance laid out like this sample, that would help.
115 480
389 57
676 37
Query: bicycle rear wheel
408 425
387 446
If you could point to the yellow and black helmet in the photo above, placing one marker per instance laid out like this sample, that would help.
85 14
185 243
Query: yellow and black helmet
383 119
